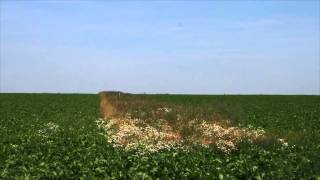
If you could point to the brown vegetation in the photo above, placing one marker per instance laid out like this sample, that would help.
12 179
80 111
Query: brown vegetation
132 122
106 109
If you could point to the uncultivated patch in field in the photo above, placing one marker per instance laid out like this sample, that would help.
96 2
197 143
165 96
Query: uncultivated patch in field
135 133
106 109
132 134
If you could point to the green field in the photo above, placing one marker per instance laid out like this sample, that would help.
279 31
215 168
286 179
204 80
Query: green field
56 136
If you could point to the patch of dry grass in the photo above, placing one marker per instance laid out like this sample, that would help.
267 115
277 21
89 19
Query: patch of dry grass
152 126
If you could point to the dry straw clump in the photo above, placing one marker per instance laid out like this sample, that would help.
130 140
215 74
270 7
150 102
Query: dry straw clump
106 109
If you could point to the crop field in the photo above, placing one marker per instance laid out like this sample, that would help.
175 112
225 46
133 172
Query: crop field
159 136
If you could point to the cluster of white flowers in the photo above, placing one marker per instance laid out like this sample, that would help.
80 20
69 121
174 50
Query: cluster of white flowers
52 126
164 109
136 134
254 132
127 134
226 146
226 137
48 129
283 142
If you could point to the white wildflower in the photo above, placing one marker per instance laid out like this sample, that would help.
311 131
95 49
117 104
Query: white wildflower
52 126
48 129
126 133
164 109
283 142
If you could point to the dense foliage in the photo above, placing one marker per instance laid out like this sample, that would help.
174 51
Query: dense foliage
55 135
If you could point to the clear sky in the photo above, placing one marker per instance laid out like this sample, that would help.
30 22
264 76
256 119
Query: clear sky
204 47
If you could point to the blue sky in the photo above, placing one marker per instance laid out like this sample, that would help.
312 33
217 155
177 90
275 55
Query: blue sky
205 47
